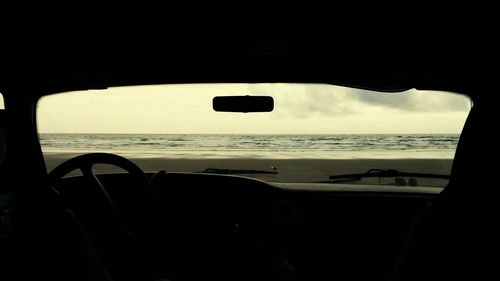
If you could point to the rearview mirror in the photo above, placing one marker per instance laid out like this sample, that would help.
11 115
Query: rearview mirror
243 104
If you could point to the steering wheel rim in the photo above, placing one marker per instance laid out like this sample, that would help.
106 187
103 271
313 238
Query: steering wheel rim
85 162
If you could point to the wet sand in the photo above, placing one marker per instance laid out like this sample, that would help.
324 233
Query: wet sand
290 170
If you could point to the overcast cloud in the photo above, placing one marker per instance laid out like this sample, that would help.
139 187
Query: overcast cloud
413 100
304 100
299 108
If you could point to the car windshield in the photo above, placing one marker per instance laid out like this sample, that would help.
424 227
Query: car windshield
314 132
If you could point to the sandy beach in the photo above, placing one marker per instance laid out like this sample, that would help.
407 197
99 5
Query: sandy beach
290 170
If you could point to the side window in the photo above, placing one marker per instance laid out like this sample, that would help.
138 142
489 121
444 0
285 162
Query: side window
2 131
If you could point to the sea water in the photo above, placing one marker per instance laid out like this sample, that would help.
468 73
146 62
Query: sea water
289 146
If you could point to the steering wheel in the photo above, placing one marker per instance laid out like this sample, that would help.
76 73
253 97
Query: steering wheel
85 162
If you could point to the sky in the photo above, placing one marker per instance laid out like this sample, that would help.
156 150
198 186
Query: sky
299 109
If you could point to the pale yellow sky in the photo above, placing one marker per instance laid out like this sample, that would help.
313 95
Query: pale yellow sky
299 109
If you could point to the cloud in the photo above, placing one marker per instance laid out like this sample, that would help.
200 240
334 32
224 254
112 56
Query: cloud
299 108
306 100
413 100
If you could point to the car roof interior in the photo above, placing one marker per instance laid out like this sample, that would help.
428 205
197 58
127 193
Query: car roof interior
379 47
383 47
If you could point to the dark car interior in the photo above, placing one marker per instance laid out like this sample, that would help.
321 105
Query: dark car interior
166 225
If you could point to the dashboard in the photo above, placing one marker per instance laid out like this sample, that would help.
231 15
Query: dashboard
231 226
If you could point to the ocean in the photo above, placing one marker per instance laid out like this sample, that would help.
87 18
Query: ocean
383 146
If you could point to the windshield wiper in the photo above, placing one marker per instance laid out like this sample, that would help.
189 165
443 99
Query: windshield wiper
379 173
235 172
